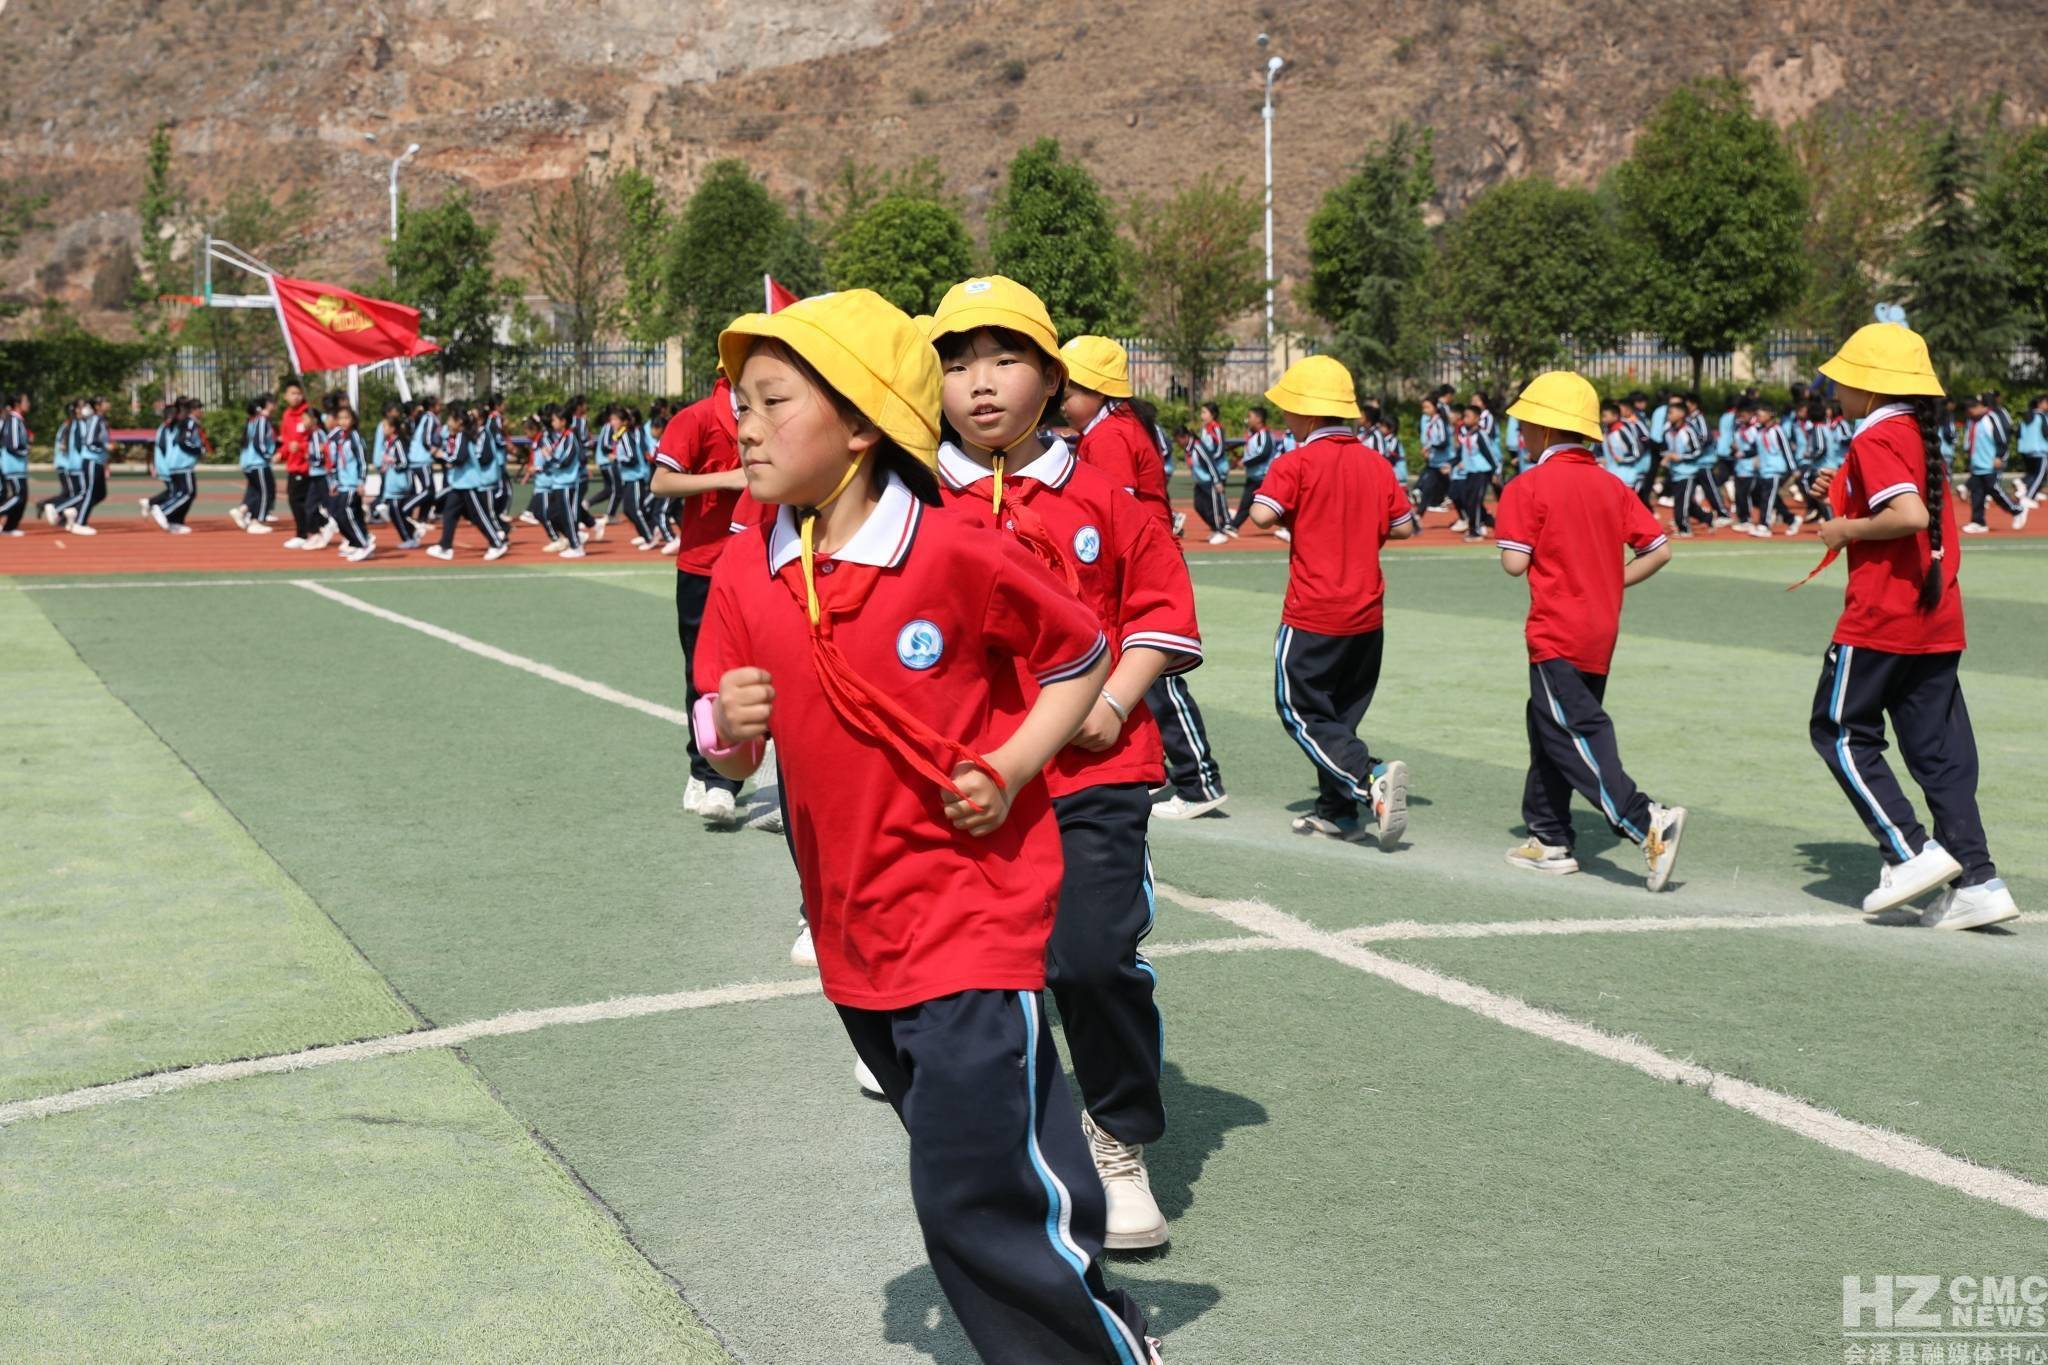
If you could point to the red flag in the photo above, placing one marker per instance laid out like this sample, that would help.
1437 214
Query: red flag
327 327
775 296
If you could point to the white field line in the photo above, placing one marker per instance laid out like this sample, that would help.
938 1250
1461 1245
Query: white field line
1633 924
502 656
498 1026
364 578
1894 1151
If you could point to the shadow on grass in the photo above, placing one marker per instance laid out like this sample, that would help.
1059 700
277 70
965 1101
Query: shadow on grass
915 1312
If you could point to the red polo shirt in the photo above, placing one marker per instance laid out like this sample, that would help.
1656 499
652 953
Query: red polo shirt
1132 576
903 907
1881 609
1572 517
294 430
1339 500
699 440
1119 444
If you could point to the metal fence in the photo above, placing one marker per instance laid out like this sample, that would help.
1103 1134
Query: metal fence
1777 359
1242 368
613 367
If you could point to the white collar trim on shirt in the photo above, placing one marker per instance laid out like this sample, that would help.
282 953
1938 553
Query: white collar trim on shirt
1549 451
1053 467
1320 432
882 540
1096 420
1885 413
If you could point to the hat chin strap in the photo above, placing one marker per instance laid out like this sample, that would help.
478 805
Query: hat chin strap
807 521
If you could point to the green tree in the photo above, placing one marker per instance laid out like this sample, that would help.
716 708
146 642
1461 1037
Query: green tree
1369 252
1716 214
644 228
1958 287
1527 269
1863 175
274 231
2016 206
732 233
1051 230
1196 265
158 211
572 243
908 250
856 185
441 264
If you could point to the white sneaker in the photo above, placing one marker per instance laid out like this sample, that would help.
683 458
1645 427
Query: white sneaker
596 531
437 552
865 1079
1346 830
295 543
718 808
143 503
803 952
1217 538
528 519
693 796
1458 525
321 541
257 528
1180 524
1898 883
1178 807
1972 907
1390 802
1793 529
554 547
497 552
670 547
2019 523
1720 522
1660 849
1135 1221
1230 531
156 514
239 515
1537 856
179 528
81 530
1975 528
769 821
572 553
1283 533
52 515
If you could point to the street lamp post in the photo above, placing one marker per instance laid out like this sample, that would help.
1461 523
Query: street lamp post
1273 65
412 150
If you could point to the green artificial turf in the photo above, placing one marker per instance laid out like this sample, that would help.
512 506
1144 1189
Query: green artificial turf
141 926
386 1211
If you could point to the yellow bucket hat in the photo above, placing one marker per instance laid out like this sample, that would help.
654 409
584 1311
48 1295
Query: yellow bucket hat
867 349
1316 386
1560 399
1888 358
996 301
1098 363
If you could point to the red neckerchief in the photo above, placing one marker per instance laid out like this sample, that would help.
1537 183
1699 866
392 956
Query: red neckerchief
1028 525
859 702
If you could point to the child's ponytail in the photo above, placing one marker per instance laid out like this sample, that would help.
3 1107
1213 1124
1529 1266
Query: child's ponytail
1927 411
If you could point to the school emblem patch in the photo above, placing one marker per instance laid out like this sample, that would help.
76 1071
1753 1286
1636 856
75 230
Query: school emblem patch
919 645
1087 544
978 287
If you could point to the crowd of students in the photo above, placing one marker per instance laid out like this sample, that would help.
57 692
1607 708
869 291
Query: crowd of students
934 560
940 573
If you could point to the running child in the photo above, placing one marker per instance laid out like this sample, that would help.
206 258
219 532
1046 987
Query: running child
1987 461
881 646
697 462
13 463
1000 371
1343 505
1118 435
426 438
630 470
561 470
1439 451
2033 449
395 486
349 465
1899 643
1563 525
66 460
1477 461
1209 462
474 462
1775 465
176 457
259 479
1255 460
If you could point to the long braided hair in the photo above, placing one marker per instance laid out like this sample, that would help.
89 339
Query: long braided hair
1928 411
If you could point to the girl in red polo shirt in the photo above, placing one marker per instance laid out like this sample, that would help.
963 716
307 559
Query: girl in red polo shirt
1900 638
999 359
1342 504
1117 436
881 646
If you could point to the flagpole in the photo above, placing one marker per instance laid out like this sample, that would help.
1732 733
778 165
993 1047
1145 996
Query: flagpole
767 292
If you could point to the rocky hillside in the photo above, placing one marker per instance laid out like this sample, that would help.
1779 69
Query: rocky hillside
506 94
